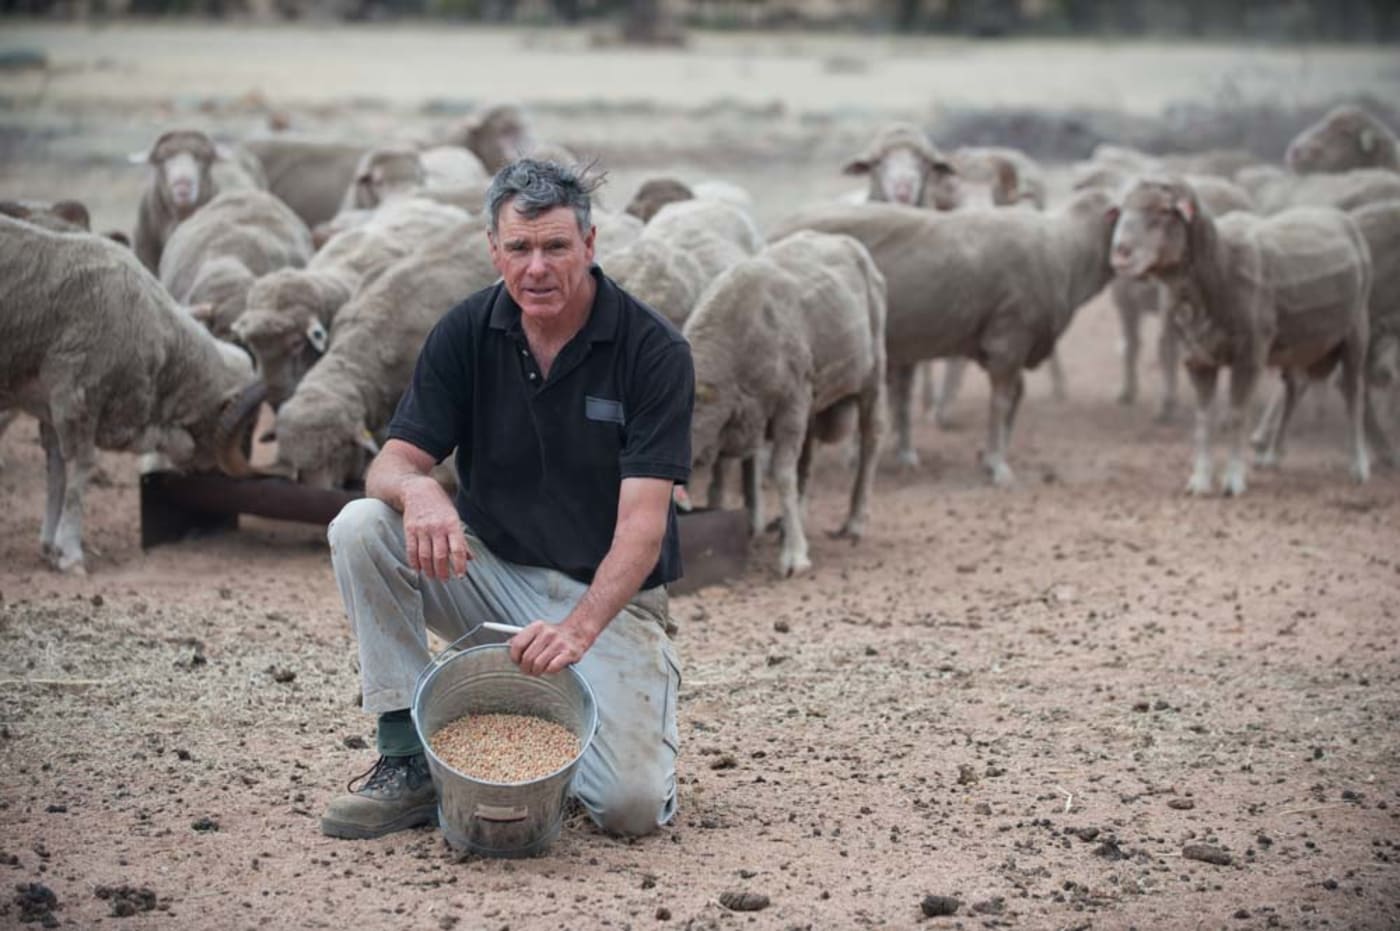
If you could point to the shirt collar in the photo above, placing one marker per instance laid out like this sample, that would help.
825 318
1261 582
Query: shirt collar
600 327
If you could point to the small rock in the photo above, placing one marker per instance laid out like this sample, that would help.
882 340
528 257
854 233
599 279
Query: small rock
1181 804
448 922
648 881
36 902
56 809
205 825
994 906
724 761
781 627
182 755
1242 913
1329 884
98 601
1110 850
1084 834
354 742
280 674
1207 854
663 913
966 775
937 906
744 901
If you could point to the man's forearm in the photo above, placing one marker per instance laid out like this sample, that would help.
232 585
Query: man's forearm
395 466
620 576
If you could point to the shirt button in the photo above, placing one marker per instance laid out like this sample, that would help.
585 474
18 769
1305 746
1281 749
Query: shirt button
532 376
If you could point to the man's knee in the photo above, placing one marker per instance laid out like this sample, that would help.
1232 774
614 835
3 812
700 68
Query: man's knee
631 808
359 525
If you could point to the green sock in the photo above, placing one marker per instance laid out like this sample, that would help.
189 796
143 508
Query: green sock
397 736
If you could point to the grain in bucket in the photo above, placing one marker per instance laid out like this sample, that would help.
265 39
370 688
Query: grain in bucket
499 818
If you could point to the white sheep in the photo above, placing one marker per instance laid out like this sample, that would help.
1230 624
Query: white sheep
326 427
1274 189
1346 137
309 174
388 172
1248 292
94 348
290 312
213 258
905 168
995 286
788 346
183 179
1135 297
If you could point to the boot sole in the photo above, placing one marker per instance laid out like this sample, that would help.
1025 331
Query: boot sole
416 817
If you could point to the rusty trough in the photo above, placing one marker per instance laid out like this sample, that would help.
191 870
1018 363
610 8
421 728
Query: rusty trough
714 543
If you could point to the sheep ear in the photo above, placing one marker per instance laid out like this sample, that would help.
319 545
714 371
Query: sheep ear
857 166
942 168
1113 212
317 336
1367 140
1185 208
365 440
202 312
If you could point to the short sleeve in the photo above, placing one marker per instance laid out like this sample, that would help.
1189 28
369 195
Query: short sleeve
434 413
657 432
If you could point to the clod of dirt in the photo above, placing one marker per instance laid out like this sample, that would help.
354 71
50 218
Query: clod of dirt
205 825
280 674
448 922
937 906
36 902
993 906
663 913
1110 850
1181 804
724 761
744 901
127 900
648 881
966 775
56 809
781 627
1084 834
1207 854
354 742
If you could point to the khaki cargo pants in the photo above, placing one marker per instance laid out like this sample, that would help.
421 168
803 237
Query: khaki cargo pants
627 779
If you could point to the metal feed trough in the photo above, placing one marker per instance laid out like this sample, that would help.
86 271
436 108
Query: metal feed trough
714 543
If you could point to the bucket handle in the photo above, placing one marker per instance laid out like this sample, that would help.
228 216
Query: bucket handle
449 651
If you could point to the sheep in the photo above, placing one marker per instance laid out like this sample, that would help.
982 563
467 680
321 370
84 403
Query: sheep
388 172
1346 137
64 216
1248 292
1274 189
94 348
290 311
787 346
1135 297
182 180
656 193
905 168
213 258
1220 163
327 425
996 286
497 135
684 247
309 175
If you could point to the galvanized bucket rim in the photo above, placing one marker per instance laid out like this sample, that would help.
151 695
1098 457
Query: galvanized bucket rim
441 661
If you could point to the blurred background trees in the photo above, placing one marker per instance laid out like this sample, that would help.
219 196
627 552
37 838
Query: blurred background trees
655 20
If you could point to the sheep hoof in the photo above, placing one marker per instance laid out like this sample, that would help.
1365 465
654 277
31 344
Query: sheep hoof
1000 474
908 460
1234 484
1361 472
790 566
1198 486
68 565
1266 459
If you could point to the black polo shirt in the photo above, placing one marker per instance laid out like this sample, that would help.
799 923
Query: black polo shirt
541 461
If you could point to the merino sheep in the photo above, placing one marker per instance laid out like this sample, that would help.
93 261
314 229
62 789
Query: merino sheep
1346 137
64 216
497 135
996 286
656 193
1274 189
182 180
213 258
1248 292
1135 297
94 348
390 172
327 426
309 175
787 346
905 168
291 311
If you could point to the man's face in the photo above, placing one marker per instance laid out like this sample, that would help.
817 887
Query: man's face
545 261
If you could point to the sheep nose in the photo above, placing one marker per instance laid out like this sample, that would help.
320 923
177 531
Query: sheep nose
1122 254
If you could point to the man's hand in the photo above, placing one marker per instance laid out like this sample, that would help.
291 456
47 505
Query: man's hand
432 530
545 648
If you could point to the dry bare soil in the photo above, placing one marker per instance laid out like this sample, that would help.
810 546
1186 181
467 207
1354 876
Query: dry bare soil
1033 700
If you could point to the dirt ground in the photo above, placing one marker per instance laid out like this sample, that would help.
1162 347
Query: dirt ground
1033 700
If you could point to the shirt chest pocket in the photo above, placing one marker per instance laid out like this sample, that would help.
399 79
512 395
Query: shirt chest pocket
604 410
602 433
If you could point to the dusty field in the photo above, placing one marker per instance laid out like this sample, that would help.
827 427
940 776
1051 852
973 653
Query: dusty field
1032 700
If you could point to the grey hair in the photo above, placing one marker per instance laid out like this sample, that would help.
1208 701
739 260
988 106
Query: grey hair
538 186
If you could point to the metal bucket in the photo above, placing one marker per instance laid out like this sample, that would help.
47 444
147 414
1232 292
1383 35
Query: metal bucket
497 819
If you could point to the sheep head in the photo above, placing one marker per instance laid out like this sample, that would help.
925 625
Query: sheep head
223 285
1346 138
322 437
905 168
181 160
383 174
1152 232
656 193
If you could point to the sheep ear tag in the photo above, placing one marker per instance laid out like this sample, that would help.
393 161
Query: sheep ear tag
316 335
365 440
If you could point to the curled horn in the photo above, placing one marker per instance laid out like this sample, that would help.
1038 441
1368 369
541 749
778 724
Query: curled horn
235 425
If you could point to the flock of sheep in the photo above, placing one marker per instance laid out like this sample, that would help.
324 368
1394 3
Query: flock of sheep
307 273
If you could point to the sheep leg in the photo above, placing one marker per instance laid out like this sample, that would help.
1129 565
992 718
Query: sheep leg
1243 378
1059 386
789 436
6 418
928 387
1273 425
902 388
952 383
1130 319
1354 393
714 495
750 472
74 449
871 429
1007 389
1375 417
1168 352
55 480
1203 380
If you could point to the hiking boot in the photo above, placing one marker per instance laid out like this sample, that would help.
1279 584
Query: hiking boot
397 793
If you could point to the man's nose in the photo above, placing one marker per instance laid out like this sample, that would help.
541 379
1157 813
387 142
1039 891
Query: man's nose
537 264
